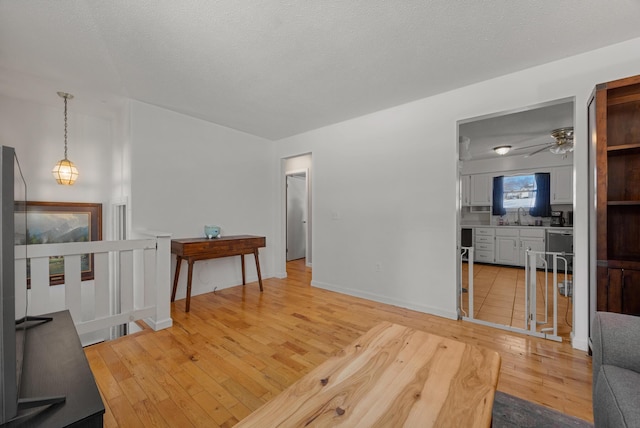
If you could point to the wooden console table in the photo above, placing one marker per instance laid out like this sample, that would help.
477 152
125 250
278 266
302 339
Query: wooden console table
194 249
392 376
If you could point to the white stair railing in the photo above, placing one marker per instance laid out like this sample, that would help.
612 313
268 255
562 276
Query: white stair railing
139 268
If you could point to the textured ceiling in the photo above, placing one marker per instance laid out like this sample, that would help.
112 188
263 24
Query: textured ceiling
278 68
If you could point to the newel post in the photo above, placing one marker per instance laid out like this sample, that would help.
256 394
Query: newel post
162 317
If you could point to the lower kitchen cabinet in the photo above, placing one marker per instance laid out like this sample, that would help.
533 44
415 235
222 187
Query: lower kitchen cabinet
532 239
507 243
534 244
511 245
484 245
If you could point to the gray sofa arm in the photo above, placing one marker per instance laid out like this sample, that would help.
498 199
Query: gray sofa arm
616 341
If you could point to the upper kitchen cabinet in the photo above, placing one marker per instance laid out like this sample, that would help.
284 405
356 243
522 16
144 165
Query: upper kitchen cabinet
481 190
465 184
614 136
562 185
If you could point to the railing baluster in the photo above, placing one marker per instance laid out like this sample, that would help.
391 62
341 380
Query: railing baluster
40 301
72 282
101 280
126 281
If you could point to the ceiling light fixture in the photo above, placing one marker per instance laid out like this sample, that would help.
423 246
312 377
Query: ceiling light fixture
65 172
502 150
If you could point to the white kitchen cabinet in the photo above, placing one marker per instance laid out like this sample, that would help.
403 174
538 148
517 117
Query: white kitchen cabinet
465 184
534 244
512 243
562 185
481 190
484 245
507 247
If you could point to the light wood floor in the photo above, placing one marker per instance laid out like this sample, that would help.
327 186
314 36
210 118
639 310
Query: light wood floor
499 297
238 348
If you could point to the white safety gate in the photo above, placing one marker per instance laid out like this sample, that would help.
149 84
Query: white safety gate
541 309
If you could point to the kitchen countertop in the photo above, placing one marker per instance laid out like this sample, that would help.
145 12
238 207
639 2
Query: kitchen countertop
516 226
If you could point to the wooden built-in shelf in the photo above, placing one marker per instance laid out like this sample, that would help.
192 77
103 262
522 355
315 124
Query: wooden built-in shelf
622 263
623 99
629 203
614 128
623 147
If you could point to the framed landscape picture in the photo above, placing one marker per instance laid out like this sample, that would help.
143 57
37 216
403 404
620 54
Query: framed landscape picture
58 222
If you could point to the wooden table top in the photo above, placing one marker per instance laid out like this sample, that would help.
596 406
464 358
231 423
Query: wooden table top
220 239
392 376
205 248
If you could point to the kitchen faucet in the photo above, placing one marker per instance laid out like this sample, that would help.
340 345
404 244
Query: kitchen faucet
519 218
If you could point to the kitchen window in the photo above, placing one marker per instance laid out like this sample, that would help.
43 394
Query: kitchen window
519 191
522 191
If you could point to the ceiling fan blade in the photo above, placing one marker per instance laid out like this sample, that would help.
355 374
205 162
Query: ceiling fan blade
562 149
539 150
532 146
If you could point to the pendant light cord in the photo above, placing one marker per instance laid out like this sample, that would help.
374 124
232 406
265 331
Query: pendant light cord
65 127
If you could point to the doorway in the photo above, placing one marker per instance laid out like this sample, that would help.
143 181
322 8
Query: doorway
496 151
297 212
297 207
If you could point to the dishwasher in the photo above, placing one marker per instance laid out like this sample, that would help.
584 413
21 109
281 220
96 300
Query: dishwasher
561 241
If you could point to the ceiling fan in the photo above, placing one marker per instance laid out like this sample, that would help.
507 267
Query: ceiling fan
562 145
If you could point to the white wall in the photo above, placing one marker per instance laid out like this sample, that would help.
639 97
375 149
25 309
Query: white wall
187 173
36 131
385 184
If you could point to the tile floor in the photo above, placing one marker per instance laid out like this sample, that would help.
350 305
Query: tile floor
499 297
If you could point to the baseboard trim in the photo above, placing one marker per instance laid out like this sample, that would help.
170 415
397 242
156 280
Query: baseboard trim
387 300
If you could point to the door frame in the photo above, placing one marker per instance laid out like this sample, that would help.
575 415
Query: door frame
297 173
304 171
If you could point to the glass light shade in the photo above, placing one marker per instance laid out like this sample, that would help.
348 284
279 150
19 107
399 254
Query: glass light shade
65 172
562 149
502 150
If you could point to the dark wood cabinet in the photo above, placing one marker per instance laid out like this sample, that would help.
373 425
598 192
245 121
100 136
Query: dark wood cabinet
614 134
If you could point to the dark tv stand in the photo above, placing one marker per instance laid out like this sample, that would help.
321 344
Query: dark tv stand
56 373
28 407
30 318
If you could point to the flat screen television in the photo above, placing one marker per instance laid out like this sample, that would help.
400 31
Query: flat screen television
12 336
14 319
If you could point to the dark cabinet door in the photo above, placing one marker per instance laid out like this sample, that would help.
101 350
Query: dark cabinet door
614 290
630 292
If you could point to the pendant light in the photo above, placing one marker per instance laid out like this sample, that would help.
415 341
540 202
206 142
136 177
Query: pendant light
65 172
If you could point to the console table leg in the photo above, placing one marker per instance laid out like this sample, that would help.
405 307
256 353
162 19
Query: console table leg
242 262
189 276
255 254
175 278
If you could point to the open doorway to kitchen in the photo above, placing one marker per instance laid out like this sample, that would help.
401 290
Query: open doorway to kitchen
516 199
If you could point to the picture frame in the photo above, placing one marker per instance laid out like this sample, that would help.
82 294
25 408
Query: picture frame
58 222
